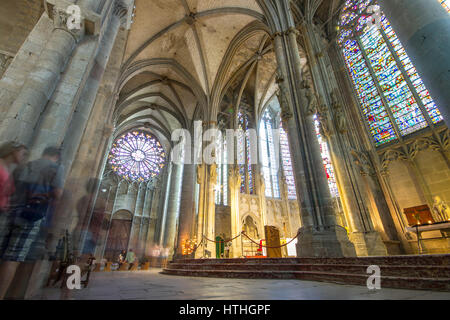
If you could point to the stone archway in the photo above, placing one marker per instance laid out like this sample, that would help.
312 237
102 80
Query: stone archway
250 227
119 235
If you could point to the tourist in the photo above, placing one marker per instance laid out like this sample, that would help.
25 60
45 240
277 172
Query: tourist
122 257
38 187
131 257
11 155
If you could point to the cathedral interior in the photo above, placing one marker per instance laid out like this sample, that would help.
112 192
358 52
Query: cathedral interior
326 122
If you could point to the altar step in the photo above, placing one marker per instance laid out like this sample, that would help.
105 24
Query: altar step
431 272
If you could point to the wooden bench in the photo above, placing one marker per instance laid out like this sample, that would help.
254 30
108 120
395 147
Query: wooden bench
97 267
108 267
134 267
124 267
145 266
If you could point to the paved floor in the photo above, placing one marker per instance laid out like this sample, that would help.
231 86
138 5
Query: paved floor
150 285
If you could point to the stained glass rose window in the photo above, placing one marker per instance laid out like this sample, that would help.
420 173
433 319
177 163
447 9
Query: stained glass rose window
137 156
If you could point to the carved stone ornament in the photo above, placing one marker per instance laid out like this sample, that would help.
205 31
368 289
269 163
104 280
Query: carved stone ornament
286 113
5 61
325 126
62 20
362 161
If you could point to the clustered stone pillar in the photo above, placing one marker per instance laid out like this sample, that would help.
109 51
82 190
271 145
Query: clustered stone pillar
320 236
334 124
173 208
186 208
201 181
234 182
24 113
210 219
423 27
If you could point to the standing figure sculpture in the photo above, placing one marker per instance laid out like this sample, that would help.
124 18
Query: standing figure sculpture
339 116
311 108
441 211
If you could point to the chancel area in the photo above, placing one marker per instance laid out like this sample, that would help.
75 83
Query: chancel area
273 139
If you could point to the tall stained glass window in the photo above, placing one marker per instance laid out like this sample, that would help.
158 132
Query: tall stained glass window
137 156
445 4
269 159
331 177
393 98
222 172
287 163
244 153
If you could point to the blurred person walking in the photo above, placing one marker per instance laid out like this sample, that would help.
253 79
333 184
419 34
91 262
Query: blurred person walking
12 154
38 187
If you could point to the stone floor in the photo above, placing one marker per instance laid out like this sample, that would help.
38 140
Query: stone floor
150 285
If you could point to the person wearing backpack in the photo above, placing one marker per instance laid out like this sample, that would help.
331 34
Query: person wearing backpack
38 186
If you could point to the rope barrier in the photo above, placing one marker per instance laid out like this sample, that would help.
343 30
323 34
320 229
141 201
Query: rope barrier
281 246
197 246
222 241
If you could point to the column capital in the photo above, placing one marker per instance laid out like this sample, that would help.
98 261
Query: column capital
76 20
120 9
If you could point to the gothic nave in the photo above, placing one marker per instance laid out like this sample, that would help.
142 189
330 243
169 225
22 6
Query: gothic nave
304 140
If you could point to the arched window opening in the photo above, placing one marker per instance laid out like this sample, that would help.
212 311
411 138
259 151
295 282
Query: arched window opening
331 177
222 171
286 161
393 98
244 153
269 158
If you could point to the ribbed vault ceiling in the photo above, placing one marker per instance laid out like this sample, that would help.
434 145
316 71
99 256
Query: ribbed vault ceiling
183 56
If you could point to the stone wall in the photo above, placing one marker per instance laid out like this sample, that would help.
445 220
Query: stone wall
17 19
410 191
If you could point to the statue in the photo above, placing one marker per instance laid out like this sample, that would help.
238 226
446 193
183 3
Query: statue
284 104
200 173
311 108
235 177
322 116
339 116
262 184
441 211
284 188
213 173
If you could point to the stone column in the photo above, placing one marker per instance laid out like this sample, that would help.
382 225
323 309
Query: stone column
173 207
210 217
285 204
24 113
150 237
187 208
201 179
423 27
91 92
320 236
234 182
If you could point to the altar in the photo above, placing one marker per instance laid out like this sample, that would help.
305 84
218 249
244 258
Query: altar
422 230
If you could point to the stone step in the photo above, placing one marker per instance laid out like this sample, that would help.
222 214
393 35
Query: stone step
387 270
435 284
413 260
